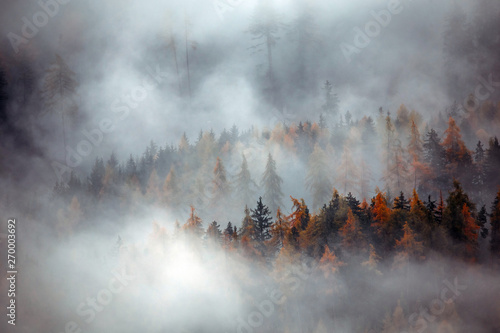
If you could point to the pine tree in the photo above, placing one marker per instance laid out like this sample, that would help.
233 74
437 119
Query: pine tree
317 179
271 183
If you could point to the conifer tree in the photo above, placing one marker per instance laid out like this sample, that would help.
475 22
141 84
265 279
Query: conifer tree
271 183
495 226
244 184
262 219
194 225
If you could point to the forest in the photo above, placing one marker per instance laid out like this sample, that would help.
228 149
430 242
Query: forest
226 167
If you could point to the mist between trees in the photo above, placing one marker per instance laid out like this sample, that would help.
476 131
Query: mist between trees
282 190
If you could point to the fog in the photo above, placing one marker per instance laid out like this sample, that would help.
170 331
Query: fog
154 71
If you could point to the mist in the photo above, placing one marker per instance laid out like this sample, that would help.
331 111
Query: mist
139 139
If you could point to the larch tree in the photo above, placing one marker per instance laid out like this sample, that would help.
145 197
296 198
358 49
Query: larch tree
352 237
381 216
194 225
171 189
317 179
271 183
415 149
396 174
58 93
408 246
279 232
347 171
471 233
329 263
458 157
220 186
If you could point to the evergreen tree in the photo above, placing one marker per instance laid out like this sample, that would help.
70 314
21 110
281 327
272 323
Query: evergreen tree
271 183
214 234
453 217
495 226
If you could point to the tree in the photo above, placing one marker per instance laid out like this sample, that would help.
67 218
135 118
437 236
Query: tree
347 171
171 189
317 179
279 231
434 156
329 263
264 29
262 219
58 92
381 215
471 232
408 246
416 152
453 216
481 220
220 188
352 237
248 228
194 225
495 226
331 101
458 157
271 183
244 183
214 234
96 177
